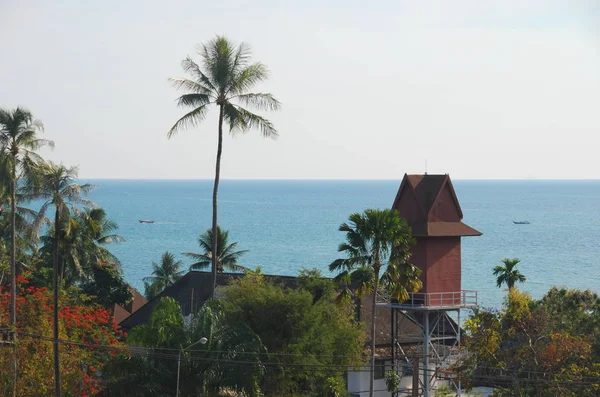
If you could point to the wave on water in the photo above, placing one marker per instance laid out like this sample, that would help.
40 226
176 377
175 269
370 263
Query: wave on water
163 223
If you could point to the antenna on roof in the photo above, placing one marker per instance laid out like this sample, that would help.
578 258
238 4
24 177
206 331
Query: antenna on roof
425 165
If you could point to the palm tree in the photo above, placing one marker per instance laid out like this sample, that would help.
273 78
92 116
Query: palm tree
18 141
163 274
377 240
227 257
225 79
55 184
507 274
82 245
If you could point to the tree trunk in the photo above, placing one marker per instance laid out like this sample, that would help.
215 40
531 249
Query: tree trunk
214 215
13 273
373 319
55 286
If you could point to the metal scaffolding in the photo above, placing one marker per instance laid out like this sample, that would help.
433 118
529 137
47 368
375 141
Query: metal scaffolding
438 346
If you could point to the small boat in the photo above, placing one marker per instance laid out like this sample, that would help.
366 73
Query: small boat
521 222
145 221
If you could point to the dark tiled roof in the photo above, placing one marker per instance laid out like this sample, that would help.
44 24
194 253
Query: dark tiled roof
443 229
427 189
191 291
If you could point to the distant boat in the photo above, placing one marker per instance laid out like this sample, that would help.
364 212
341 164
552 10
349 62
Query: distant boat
145 221
521 222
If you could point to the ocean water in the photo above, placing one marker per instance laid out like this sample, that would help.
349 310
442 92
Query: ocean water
290 225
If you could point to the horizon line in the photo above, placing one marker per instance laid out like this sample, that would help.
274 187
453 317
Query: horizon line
335 179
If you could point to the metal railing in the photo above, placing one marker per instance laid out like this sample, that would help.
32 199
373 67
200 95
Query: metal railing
464 298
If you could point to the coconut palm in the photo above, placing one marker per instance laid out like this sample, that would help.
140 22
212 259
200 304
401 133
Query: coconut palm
224 80
508 274
227 257
83 244
18 142
55 184
163 274
377 240
98 231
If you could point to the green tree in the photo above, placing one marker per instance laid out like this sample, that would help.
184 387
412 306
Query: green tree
82 247
508 274
106 285
18 142
55 184
224 80
204 368
164 274
99 231
377 240
529 348
227 256
309 338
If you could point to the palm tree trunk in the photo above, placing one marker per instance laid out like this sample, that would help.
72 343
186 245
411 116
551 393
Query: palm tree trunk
55 286
373 319
215 191
13 274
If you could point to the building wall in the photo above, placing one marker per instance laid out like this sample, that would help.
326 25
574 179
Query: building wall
419 258
443 272
359 383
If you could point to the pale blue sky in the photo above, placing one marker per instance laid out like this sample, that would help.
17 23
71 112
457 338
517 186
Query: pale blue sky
481 89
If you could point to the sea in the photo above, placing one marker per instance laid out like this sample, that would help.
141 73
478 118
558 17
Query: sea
289 225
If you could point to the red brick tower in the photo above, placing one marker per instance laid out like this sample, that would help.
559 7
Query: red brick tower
429 204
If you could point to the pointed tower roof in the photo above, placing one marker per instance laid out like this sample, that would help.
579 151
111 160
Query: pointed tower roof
429 204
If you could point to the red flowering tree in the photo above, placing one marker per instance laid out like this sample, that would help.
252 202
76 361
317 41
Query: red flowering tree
89 336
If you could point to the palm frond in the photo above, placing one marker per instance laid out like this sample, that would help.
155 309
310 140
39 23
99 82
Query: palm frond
248 78
241 120
193 100
190 119
191 86
259 101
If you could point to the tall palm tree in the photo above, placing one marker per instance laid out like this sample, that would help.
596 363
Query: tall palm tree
224 80
227 257
55 184
18 142
508 274
377 240
163 274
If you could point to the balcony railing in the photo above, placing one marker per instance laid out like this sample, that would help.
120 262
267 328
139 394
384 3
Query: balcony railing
432 300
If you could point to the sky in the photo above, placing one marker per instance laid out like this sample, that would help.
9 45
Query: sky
370 90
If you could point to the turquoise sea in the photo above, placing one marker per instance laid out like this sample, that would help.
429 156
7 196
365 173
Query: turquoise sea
290 225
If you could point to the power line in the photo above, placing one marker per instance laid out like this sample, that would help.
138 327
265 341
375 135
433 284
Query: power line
168 354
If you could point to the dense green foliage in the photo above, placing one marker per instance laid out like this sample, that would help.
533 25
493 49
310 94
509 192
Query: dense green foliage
205 369
263 340
547 347
310 339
